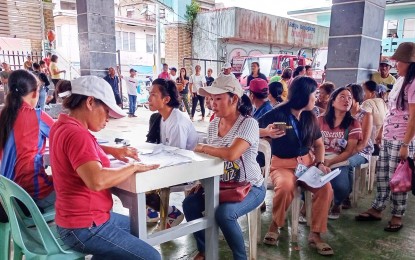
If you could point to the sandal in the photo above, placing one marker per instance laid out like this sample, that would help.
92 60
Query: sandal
271 238
367 216
322 248
393 227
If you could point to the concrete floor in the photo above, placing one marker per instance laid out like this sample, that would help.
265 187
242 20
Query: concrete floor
348 238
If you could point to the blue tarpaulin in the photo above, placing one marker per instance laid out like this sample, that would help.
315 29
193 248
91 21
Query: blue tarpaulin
143 70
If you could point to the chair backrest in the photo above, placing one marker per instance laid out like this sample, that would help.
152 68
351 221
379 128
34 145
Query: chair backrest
33 241
265 148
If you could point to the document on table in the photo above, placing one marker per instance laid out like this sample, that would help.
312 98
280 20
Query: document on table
165 156
315 178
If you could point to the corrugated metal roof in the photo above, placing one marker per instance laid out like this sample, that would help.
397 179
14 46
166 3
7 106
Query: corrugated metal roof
21 19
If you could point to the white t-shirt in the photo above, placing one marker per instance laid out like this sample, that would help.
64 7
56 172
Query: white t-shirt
132 84
246 129
174 77
197 82
178 131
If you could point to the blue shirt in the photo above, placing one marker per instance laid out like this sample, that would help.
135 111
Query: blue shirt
262 110
114 83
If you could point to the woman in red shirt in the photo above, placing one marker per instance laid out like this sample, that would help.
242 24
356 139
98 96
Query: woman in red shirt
83 177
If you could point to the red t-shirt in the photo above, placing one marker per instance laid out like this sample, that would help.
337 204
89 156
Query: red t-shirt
332 137
22 156
71 146
164 75
47 61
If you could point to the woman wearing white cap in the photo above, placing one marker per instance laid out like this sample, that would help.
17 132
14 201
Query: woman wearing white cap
397 136
82 176
234 137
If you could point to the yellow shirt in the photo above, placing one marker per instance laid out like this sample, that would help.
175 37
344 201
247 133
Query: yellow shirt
53 66
390 80
284 94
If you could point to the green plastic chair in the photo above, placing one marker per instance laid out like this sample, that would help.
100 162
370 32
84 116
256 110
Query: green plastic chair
36 242
48 215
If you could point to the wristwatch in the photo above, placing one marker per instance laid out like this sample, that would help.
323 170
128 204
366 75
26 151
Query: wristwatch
318 164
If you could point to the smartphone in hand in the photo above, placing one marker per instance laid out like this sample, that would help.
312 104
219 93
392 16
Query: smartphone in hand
281 126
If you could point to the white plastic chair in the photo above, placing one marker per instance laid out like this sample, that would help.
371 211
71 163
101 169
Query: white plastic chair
359 181
254 217
372 170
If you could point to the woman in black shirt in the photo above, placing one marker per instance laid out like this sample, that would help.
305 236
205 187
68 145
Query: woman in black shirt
291 147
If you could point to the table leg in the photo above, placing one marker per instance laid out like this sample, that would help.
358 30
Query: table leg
211 186
164 206
140 225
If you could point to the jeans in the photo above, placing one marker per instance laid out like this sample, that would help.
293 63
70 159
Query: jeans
343 183
226 216
201 100
132 102
111 240
42 98
47 201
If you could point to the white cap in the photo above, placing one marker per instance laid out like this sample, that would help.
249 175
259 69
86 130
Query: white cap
227 65
223 84
99 89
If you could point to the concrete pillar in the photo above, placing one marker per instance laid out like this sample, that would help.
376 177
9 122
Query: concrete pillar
354 40
96 33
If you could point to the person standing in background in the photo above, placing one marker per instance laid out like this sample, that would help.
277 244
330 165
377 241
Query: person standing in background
54 70
132 83
173 74
114 81
28 64
197 81
165 73
182 84
44 88
308 71
209 81
255 73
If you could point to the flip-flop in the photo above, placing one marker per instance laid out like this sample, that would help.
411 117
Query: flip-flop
369 217
322 248
393 227
271 238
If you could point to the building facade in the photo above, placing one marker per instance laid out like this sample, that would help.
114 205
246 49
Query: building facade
398 26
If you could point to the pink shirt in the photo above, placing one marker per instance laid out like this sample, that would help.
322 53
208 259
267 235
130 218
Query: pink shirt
164 75
332 137
396 120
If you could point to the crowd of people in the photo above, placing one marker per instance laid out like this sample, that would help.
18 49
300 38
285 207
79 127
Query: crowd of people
326 126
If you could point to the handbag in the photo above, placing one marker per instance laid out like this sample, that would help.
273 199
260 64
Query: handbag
402 178
234 191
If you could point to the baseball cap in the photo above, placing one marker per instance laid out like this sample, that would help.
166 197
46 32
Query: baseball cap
279 72
132 70
223 84
173 68
99 89
386 61
258 86
227 65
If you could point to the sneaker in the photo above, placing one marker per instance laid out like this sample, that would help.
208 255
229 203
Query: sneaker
152 216
346 204
302 219
174 218
334 212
